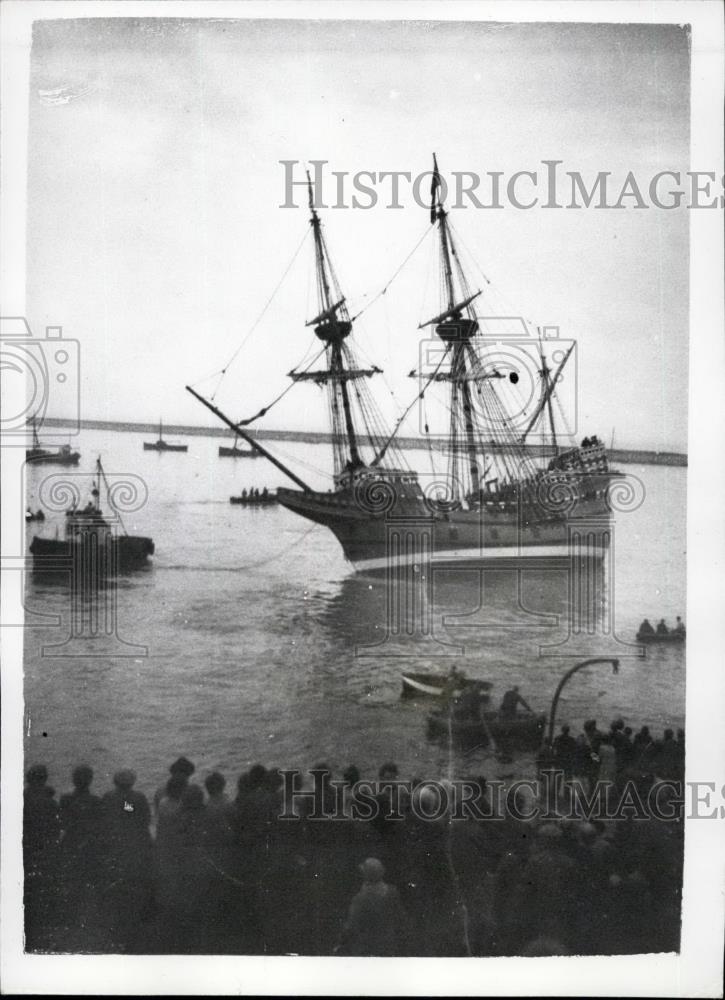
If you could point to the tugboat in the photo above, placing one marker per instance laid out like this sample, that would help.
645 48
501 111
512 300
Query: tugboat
91 545
503 500
162 445
42 456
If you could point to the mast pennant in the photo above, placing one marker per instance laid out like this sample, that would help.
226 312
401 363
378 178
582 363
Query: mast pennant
434 186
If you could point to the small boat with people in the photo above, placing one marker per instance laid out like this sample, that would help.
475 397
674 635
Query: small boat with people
91 542
523 732
39 455
255 498
648 634
439 685
161 444
31 515
469 720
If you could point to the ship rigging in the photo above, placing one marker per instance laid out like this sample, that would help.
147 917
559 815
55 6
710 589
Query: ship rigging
490 506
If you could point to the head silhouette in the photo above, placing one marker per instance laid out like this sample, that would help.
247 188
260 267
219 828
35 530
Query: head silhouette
37 775
215 783
175 786
82 777
182 766
124 780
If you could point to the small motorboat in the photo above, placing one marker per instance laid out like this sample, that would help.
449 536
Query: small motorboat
523 731
439 685
651 637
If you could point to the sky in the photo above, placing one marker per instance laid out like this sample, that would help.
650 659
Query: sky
156 234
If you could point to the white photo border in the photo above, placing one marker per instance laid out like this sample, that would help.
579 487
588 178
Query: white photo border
697 970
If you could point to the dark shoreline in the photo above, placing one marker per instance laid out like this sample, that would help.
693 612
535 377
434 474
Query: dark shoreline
633 456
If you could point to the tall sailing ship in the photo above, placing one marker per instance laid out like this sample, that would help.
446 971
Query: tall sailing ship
500 498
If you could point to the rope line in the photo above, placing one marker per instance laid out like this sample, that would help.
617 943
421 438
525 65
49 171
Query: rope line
268 407
221 372
391 280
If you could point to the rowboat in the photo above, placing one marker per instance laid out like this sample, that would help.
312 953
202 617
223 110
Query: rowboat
259 501
651 637
521 732
438 685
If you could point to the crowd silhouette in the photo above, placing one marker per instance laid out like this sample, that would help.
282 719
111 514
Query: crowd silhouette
200 870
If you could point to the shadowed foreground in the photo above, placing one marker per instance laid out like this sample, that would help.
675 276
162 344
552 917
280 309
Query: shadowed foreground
223 876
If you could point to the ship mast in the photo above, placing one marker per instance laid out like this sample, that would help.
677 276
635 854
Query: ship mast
456 326
360 437
333 326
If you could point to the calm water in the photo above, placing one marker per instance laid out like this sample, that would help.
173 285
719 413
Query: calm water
263 645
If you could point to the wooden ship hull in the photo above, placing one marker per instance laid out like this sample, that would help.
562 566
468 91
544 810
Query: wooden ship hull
413 531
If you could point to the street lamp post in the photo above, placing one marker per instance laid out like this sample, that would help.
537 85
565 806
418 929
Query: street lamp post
565 678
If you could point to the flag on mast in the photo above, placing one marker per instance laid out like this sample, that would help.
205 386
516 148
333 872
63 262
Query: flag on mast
434 185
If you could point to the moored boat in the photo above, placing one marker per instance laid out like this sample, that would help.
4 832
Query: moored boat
162 445
44 456
236 452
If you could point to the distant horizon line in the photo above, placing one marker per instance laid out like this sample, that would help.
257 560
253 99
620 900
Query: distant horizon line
646 455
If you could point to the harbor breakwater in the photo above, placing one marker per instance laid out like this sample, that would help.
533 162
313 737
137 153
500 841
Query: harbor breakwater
628 456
